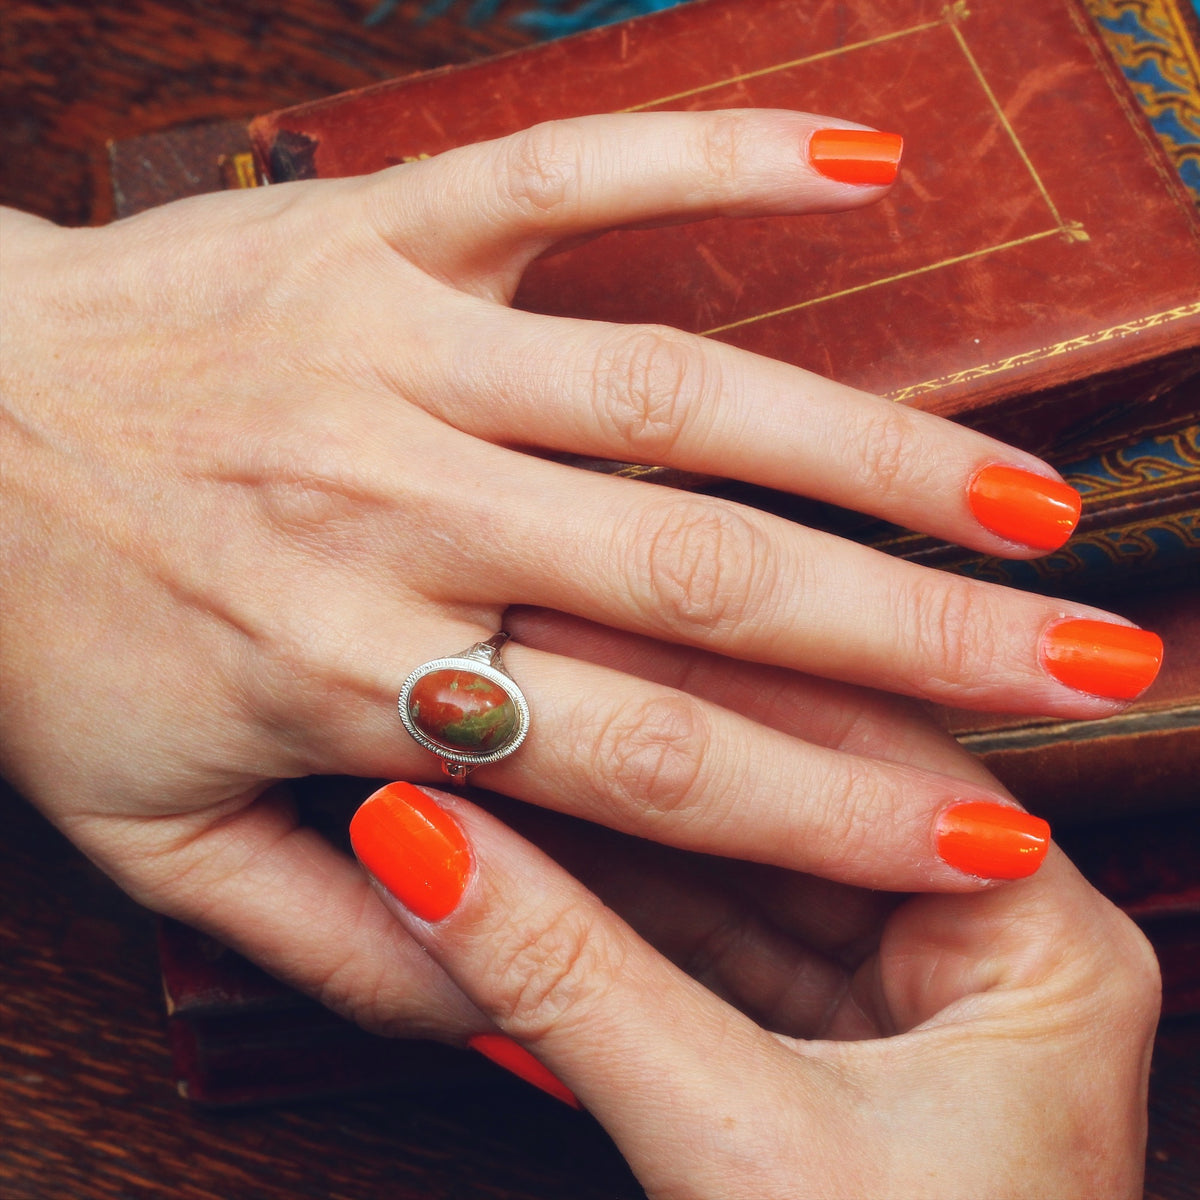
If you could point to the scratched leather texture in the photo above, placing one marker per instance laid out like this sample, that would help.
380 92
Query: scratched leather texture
1038 239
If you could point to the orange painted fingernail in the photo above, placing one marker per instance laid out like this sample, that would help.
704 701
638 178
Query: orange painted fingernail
1024 507
512 1056
992 841
856 155
414 848
1117 662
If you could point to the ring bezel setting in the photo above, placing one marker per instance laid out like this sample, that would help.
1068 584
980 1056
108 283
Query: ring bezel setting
480 661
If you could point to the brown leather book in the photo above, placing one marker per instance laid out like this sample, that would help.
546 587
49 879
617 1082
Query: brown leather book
1035 272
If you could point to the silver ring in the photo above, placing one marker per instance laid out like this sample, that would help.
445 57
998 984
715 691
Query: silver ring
465 708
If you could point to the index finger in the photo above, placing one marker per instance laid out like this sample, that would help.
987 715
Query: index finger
505 201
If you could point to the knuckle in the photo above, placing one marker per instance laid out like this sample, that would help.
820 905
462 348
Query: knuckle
887 440
644 378
724 150
853 802
1132 976
541 169
547 972
948 623
648 758
697 567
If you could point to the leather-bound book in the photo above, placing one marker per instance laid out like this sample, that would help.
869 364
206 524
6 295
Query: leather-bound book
1035 272
238 1036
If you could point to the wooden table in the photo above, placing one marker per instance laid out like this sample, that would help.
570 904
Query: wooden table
87 1108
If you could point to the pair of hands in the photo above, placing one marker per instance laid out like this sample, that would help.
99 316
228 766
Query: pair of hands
265 452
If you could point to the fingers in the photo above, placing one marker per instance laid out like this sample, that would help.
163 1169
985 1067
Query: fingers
546 962
498 204
857 720
649 394
284 897
752 949
1039 1042
674 768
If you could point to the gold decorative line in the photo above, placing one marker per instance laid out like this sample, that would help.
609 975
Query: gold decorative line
786 66
1182 37
1151 321
862 287
243 167
1104 493
987 89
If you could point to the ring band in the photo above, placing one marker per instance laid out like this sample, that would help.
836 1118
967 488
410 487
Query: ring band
465 708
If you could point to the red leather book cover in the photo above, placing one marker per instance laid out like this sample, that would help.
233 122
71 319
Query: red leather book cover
1039 239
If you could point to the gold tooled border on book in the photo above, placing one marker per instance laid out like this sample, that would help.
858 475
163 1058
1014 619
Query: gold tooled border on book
1096 337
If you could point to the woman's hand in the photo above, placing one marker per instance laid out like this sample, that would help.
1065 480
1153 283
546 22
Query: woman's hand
265 452
952 1047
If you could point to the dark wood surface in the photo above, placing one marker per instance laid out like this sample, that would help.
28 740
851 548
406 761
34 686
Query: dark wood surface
76 73
87 1107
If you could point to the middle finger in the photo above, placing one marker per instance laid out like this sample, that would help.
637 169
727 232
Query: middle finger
707 572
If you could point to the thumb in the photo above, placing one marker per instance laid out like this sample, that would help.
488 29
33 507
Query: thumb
645 1048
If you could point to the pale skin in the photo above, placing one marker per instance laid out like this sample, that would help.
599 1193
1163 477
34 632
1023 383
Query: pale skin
259 462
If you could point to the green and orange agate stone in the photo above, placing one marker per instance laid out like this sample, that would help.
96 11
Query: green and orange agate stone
463 711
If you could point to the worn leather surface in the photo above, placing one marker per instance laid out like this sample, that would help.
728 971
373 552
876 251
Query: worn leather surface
1038 234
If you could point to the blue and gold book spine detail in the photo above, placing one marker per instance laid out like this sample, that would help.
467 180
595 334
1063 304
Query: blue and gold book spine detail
1155 44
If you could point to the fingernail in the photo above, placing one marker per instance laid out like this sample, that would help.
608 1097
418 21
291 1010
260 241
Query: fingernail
856 155
1117 662
512 1056
992 841
1023 507
414 848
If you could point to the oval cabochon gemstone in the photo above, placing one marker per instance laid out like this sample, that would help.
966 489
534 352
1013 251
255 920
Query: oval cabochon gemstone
463 711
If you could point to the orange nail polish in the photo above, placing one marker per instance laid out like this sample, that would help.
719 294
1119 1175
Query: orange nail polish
512 1056
992 841
1102 659
856 155
414 848
1024 507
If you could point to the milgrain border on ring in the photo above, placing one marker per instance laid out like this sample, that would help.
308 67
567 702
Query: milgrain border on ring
483 659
